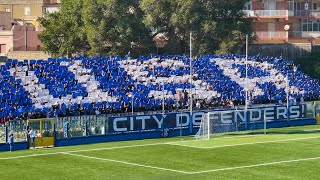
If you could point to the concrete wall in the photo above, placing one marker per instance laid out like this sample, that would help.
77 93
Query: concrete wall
22 55
289 51
19 39
5 20
18 10
6 41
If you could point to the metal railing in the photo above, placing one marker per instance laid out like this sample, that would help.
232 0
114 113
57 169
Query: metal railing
271 34
280 13
304 34
266 13
306 13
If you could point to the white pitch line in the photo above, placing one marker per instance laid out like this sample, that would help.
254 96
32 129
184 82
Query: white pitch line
128 163
121 147
232 145
31 155
174 143
255 165
89 150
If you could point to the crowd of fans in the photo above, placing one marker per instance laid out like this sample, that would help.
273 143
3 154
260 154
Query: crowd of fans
108 85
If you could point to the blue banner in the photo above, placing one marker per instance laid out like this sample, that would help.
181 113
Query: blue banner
178 120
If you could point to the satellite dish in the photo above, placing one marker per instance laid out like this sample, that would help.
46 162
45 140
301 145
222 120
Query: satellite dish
287 27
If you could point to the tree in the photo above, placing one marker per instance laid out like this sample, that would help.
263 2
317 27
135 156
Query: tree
103 27
115 27
64 33
216 24
310 64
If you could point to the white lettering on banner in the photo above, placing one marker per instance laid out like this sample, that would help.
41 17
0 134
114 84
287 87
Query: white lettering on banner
143 121
294 112
115 124
239 115
159 122
213 117
181 115
183 119
226 117
269 113
281 111
131 124
196 118
253 112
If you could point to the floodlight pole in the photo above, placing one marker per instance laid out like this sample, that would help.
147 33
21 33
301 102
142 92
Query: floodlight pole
246 88
132 97
132 103
163 97
287 88
191 98
163 107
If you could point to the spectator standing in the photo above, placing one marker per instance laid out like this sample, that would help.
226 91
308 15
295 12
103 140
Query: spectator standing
32 138
11 141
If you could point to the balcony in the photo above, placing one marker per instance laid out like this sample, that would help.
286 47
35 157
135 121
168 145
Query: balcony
304 34
266 13
280 13
305 13
271 35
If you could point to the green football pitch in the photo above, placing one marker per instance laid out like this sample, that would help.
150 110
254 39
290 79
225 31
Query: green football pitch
286 153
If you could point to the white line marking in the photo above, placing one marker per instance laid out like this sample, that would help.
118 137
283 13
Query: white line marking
32 155
88 150
308 130
232 136
232 145
256 165
174 143
166 169
121 147
128 163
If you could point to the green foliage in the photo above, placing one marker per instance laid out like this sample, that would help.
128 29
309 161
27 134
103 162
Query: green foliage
310 64
215 24
64 31
102 27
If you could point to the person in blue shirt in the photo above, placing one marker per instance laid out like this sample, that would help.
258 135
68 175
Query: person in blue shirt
11 140
32 137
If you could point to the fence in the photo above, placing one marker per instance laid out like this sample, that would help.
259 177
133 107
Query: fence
153 125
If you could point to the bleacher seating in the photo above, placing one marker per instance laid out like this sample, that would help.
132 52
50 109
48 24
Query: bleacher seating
108 84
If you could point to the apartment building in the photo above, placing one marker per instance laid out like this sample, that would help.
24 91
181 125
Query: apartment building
28 10
283 21
18 26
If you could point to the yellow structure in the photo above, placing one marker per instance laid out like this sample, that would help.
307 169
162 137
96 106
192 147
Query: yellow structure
44 131
317 111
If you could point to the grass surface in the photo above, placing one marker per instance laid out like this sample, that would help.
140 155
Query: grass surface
287 153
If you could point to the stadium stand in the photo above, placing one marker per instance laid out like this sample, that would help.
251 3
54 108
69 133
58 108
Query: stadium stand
65 87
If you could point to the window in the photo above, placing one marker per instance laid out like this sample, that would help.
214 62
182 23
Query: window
27 11
315 27
315 6
290 5
310 25
7 9
248 5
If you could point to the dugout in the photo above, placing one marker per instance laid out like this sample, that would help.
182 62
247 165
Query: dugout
44 131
